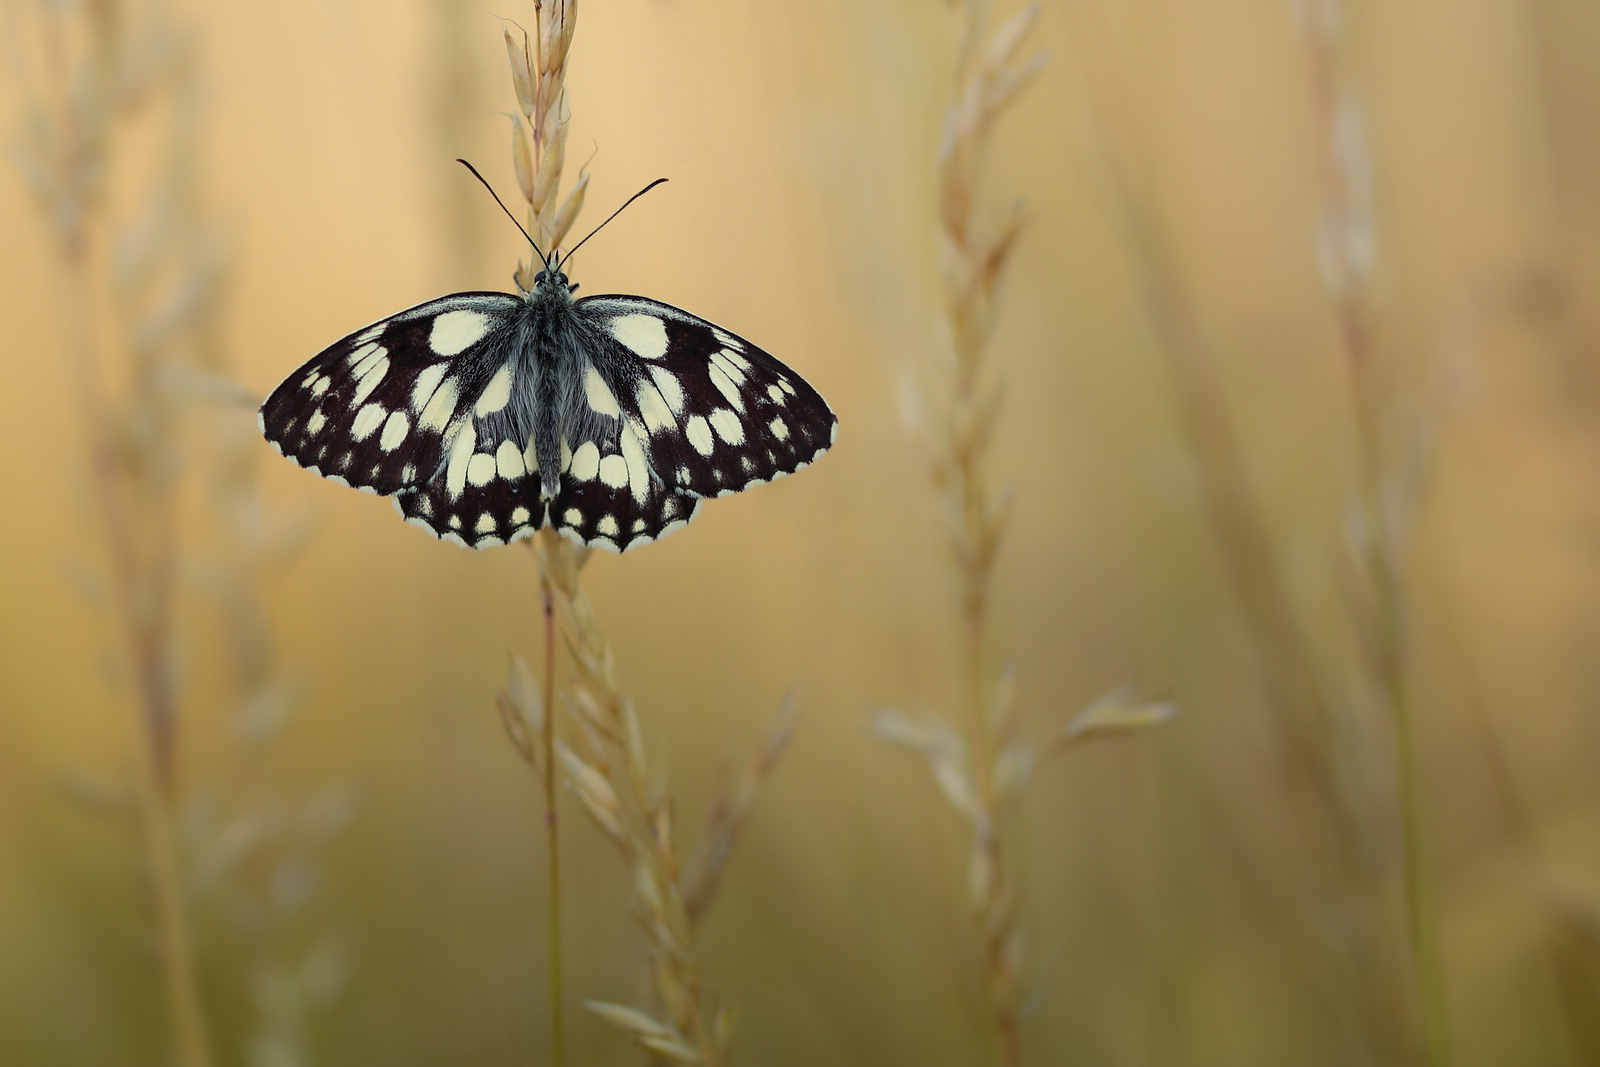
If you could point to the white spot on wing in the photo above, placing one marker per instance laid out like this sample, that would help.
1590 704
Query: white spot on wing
638 467
425 384
508 458
585 462
461 449
728 426
360 353
607 525
779 428
614 472
653 407
720 359
727 340
315 423
520 516
394 431
725 386
645 335
699 434
599 394
455 330
370 378
480 469
441 408
670 388
367 419
497 393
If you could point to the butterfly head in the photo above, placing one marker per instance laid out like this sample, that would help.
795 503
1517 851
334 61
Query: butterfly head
552 280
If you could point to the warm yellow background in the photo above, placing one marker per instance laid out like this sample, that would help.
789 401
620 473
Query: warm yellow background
1157 872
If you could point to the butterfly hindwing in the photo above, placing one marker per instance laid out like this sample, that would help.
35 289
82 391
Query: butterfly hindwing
378 409
715 413
487 492
610 498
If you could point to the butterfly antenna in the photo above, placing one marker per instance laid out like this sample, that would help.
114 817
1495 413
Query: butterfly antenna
567 258
507 210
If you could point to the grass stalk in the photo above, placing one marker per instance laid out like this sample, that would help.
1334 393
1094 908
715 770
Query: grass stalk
158 829
1346 254
100 68
604 760
1310 738
975 249
538 149
552 828
1284 658
608 769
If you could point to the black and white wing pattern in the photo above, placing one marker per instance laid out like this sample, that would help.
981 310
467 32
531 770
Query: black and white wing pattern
409 407
487 416
712 413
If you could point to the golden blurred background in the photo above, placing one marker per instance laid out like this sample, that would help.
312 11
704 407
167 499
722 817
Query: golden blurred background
1291 483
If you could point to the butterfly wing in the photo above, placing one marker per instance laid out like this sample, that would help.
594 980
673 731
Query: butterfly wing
407 406
604 503
712 413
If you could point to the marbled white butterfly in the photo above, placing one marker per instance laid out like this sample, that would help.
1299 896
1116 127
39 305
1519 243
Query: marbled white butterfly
487 416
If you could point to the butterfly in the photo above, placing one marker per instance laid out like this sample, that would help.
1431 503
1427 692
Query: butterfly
487 415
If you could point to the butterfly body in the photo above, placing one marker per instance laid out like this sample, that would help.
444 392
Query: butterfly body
489 415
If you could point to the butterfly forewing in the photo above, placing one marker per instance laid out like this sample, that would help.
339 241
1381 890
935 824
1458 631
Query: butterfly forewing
715 414
378 409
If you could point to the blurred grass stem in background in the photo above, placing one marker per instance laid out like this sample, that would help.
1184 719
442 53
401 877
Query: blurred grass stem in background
102 66
1388 494
989 76
990 73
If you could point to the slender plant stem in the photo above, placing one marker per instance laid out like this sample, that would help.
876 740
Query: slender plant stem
1391 644
552 825
1422 920
982 743
157 817
144 624
1383 560
989 73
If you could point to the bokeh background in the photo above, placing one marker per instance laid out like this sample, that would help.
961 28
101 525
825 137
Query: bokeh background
365 846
